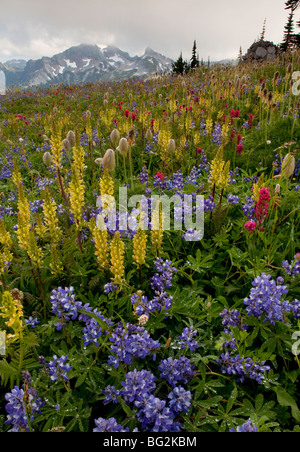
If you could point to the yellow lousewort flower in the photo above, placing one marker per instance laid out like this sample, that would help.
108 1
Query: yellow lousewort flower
40 228
57 151
12 310
157 228
78 154
55 260
117 251
88 126
5 258
139 247
56 143
100 237
22 232
34 252
225 131
225 177
257 187
23 218
51 219
156 126
16 176
209 126
5 238
76 192
217 167
106 184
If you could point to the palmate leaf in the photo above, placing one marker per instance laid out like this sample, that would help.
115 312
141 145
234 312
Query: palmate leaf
8 372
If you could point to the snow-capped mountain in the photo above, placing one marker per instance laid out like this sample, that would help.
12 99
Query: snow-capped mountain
85 63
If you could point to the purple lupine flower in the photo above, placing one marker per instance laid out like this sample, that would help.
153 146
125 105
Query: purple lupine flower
180 400
176 370
64 305
58 368
108 425
22 405
265 298
243 367
187 339
137 386
129 342
247 427
32 322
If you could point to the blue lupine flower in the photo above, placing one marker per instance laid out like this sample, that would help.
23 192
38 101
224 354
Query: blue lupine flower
247 427
265 298
187 339
111 394
233 199
32 321
109 425
180 400
64 305
58 368
137 385
129 342
93 330
176 370
249 208
217 135
21 406
110 288
292 268
243 367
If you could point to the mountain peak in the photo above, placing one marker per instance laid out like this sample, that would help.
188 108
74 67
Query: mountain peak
149 52
88 63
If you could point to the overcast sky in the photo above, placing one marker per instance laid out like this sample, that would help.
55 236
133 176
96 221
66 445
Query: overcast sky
36 28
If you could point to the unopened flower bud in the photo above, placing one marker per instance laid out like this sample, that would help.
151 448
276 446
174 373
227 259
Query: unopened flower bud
47 159
71 138
277 189
149 135
123 147
108 160
114 137
172 146
288 166
66 145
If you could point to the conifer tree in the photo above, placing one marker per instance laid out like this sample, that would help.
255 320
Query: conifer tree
292 5
288 33
262 36
194 59
180 66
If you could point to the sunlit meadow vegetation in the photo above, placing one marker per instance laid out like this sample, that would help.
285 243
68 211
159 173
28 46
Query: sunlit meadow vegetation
149 330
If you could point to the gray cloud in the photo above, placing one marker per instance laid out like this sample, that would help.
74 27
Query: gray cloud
34 28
